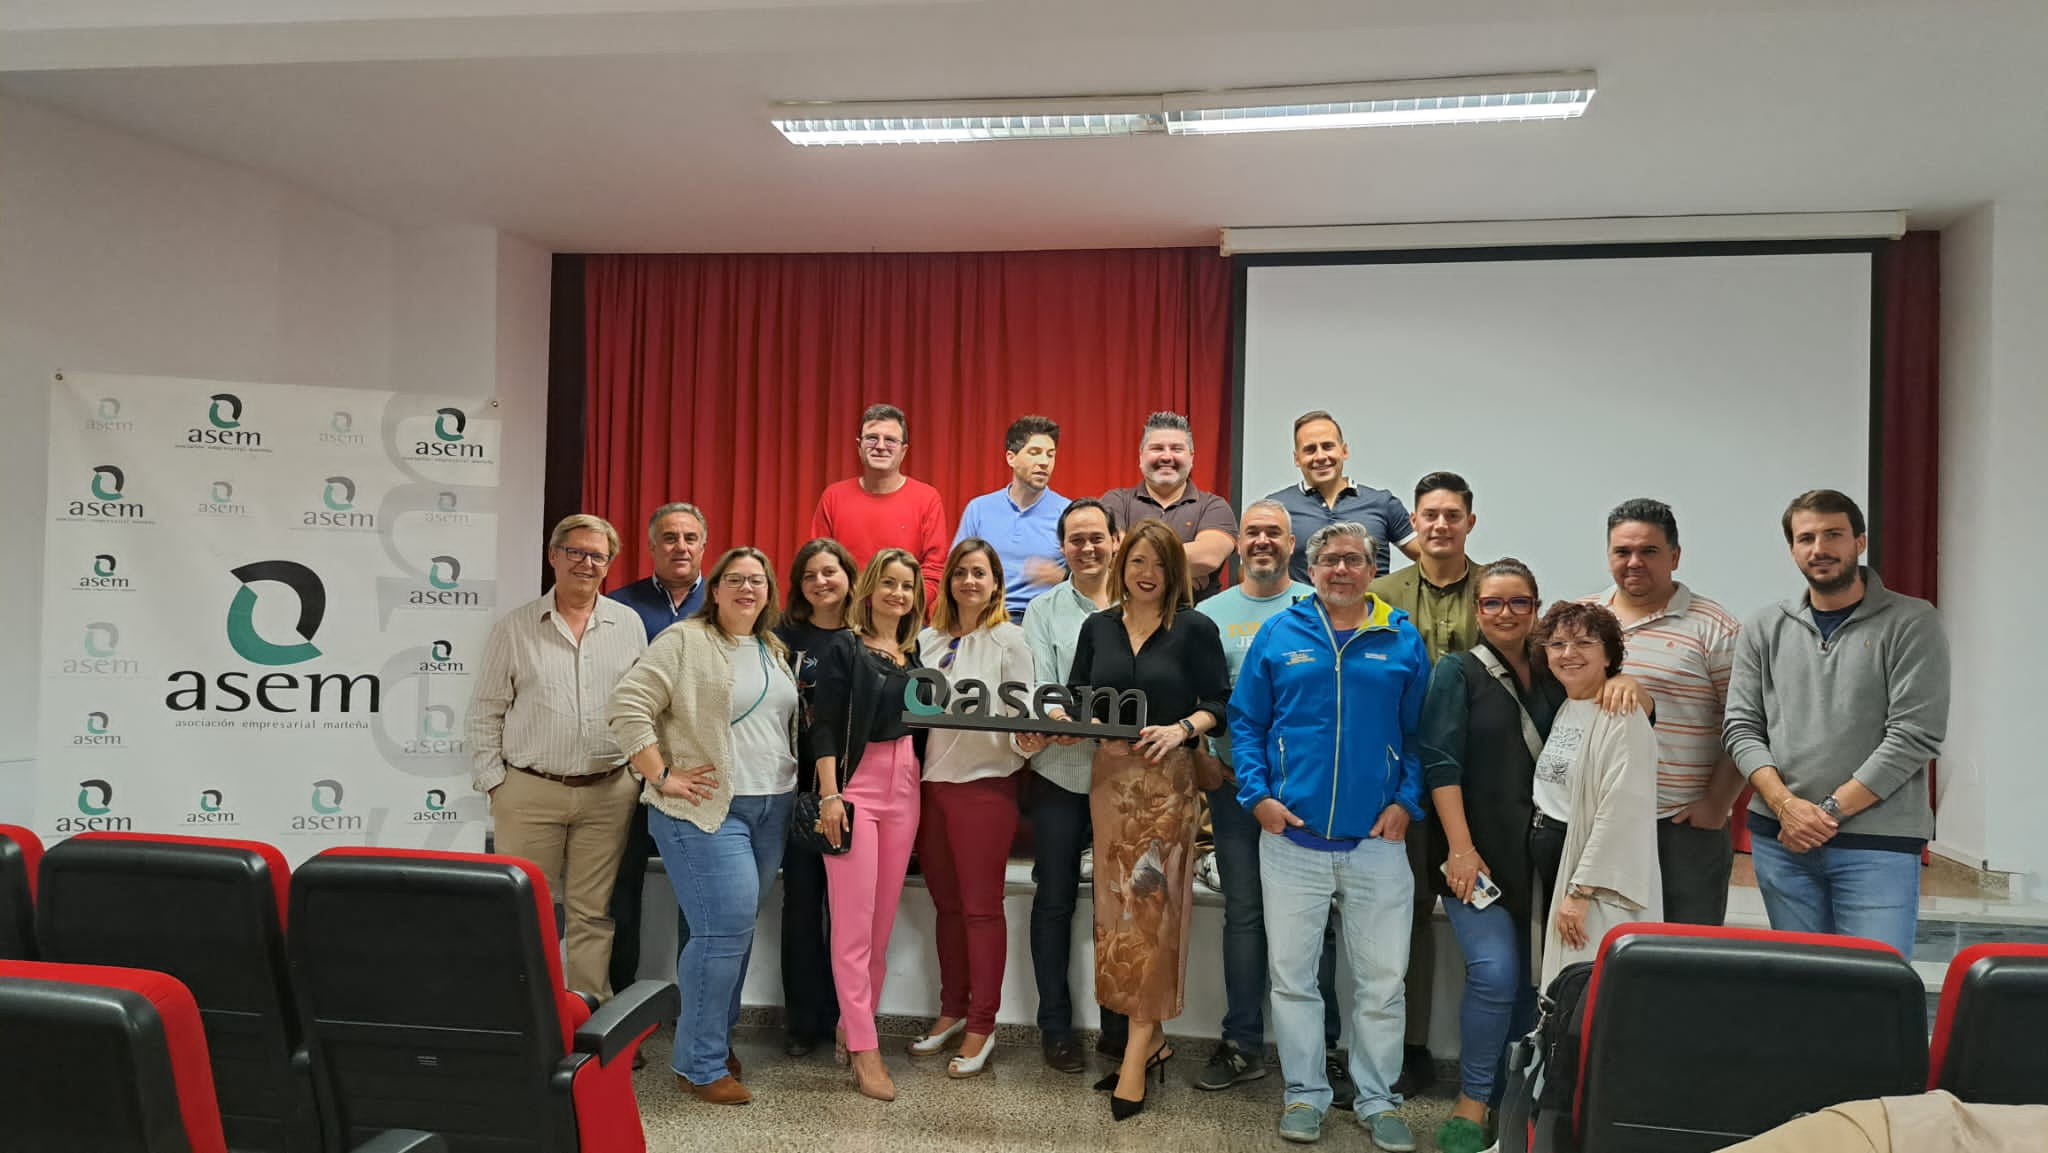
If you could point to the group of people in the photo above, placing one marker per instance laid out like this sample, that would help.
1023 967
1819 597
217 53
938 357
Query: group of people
1355 743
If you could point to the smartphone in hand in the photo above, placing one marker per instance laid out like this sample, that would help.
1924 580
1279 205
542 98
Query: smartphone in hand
1484 891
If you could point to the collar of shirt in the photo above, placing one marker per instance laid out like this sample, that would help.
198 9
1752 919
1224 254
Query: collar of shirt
1309 490
1679 604
675 607
1422 581
605 612
1188 495
1025 509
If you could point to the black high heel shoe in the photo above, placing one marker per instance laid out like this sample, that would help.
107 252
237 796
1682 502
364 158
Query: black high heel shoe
1158 1060
1123 1110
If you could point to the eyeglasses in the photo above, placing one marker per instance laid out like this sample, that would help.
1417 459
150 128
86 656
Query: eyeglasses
584 556
1581 644
733 580
952 650
1520 606
873 441
1353 560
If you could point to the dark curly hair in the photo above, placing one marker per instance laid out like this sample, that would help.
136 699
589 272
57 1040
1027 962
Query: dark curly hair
1576 616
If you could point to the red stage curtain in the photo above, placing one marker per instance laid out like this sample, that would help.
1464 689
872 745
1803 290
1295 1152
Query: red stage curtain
737 382
1909 468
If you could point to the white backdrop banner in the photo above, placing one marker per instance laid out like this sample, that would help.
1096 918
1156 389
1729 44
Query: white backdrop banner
263 605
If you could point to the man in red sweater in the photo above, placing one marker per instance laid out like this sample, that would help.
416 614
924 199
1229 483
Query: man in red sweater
881 508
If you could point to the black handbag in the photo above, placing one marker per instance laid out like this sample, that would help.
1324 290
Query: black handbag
803 825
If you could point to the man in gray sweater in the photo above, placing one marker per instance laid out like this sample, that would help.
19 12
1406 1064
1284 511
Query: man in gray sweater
1838 701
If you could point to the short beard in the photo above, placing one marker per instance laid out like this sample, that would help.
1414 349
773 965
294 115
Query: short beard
1839 584
1343 601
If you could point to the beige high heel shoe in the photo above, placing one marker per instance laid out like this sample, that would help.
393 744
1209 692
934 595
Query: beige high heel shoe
880 1086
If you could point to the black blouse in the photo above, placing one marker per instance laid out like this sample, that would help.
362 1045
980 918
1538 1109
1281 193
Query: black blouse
1180 670
856 698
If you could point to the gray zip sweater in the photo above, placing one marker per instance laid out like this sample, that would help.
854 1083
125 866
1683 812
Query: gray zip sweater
1870 703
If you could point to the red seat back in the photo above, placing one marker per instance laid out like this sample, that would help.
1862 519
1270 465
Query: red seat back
105 1059
1989 1031
1695 1037
21 851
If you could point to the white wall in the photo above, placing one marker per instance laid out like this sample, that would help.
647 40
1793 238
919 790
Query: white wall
1994 367
118 254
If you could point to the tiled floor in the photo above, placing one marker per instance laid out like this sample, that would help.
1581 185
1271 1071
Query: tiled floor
808 1104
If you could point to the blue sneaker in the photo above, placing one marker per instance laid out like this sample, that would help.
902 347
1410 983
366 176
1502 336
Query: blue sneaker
1301 1124
1390 1133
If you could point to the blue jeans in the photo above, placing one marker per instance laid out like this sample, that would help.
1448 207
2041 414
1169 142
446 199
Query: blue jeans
1500 996
718 878
1244 930
1872 893
1060 829
1373 889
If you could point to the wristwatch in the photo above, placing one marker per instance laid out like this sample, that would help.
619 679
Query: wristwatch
1831 806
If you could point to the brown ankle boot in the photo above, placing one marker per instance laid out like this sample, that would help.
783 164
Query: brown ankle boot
724 1091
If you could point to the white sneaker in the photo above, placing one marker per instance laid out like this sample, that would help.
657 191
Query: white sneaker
1088 864
1206 873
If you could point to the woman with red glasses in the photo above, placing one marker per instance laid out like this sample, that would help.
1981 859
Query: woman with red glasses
970 805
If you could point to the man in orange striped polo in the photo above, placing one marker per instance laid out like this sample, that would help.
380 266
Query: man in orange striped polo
1681 646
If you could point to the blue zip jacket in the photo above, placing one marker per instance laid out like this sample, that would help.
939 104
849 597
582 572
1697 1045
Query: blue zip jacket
1330 732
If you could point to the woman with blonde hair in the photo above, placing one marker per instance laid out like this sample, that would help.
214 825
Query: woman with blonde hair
1142 799
708 721
868 773
970 805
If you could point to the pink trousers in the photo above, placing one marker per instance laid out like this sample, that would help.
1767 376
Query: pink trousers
865 883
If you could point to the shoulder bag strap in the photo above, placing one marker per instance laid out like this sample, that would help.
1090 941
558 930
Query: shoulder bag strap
1506 678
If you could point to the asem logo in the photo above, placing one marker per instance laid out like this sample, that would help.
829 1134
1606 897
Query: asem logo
102 647
242 633
444 575
220 501
274 692
341 430
95 804
445 501
96 734
437 734
328 817
437 810
340 499
224 415
212 810
109 497
449 427
447 511
107 417
102 576
443 660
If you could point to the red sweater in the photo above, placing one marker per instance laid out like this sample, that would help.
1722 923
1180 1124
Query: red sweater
913 517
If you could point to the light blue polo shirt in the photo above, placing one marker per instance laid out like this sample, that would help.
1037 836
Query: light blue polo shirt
1018 534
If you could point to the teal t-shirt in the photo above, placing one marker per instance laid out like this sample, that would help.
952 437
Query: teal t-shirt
1238 618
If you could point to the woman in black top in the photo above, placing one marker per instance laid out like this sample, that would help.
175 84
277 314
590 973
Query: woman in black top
867 770
813 629
1484 719
1142 798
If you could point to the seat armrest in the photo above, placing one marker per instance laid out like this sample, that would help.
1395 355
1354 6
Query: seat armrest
403 1141
623 1019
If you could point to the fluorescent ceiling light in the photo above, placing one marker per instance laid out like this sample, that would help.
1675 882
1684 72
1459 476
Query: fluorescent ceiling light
963 121
1454 100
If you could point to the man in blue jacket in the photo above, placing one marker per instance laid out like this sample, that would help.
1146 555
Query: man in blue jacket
1322 725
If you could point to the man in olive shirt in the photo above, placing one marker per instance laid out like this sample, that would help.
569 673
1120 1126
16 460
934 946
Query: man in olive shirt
1439 592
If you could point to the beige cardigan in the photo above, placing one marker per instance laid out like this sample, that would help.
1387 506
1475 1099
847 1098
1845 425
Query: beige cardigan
680 697
1610 842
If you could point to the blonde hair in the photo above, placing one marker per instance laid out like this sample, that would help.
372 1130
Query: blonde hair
946 611
764 625
1173 557
580 522
861 617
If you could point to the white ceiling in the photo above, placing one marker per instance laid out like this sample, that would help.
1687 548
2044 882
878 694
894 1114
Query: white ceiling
640 125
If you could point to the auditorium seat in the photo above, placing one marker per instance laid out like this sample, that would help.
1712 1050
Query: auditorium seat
1991 1031
114 1060
431 984
1695 1038
211 914
20 850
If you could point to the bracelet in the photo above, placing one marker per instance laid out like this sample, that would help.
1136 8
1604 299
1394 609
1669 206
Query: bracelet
828 797
1467 853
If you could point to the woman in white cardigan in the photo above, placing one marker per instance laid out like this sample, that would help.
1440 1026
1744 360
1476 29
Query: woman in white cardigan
969 805
1597 776
708 719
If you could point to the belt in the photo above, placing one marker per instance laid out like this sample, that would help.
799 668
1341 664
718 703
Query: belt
573 780
1542 821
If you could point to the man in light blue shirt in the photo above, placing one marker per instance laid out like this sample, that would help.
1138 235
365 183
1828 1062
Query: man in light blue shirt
1022 519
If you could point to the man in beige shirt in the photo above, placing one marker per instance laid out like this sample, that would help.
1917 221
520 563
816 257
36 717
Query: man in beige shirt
539 747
